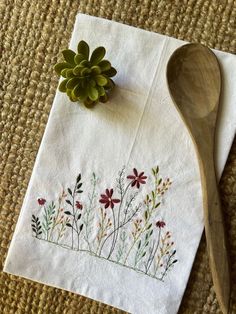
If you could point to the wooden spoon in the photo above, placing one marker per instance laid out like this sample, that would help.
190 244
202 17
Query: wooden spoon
194 80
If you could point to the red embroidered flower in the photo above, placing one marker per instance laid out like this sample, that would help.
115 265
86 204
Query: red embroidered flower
137 178
108 200
41 201
160 224
78 205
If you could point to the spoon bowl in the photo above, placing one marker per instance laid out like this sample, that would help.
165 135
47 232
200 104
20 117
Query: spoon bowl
194 81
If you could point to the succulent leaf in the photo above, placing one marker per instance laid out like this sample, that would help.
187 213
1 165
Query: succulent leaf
84 63
101 80
111 72
104 65
77 69
96 69
69 73
92 93
89 103
83 49
62 86
64 72
69 56
110 84
97 55
103 98
79 92
101 91
61 66
86 80
72 83
85 71
78 58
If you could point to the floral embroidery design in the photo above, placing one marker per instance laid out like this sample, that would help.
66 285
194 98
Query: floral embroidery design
119 225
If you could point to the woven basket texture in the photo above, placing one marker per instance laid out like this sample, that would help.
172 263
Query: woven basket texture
32 34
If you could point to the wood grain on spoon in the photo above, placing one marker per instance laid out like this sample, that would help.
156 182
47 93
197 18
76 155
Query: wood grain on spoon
194 81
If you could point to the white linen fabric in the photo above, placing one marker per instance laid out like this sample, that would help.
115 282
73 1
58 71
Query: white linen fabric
113 210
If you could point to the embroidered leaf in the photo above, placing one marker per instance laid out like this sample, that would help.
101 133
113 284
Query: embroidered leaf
139 244
78 178
149 249
146 214
79 185
36 226
67 212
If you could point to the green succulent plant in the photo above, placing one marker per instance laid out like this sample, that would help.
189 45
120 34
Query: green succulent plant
87 79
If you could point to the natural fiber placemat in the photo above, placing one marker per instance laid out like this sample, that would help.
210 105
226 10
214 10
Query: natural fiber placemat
32 34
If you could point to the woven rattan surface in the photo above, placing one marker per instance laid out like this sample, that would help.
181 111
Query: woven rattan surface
32 34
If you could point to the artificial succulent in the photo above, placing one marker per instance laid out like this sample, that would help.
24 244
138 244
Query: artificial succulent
87 79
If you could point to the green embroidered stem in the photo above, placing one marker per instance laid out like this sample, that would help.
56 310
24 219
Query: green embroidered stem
169 263
121 248
48 219
103 229
88 213
55 220
157 245
148 212
116 233
149 256
123 224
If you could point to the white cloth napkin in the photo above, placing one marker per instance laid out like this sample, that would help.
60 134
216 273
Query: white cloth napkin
129 163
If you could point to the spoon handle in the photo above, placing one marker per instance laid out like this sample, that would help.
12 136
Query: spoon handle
215 234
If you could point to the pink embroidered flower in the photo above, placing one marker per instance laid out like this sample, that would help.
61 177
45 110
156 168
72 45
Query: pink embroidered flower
160 224
137 179
41 201
108 200
78 205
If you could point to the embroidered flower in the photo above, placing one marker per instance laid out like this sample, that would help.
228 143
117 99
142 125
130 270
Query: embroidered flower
108 200
160 224
78 205
137 178
41 201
